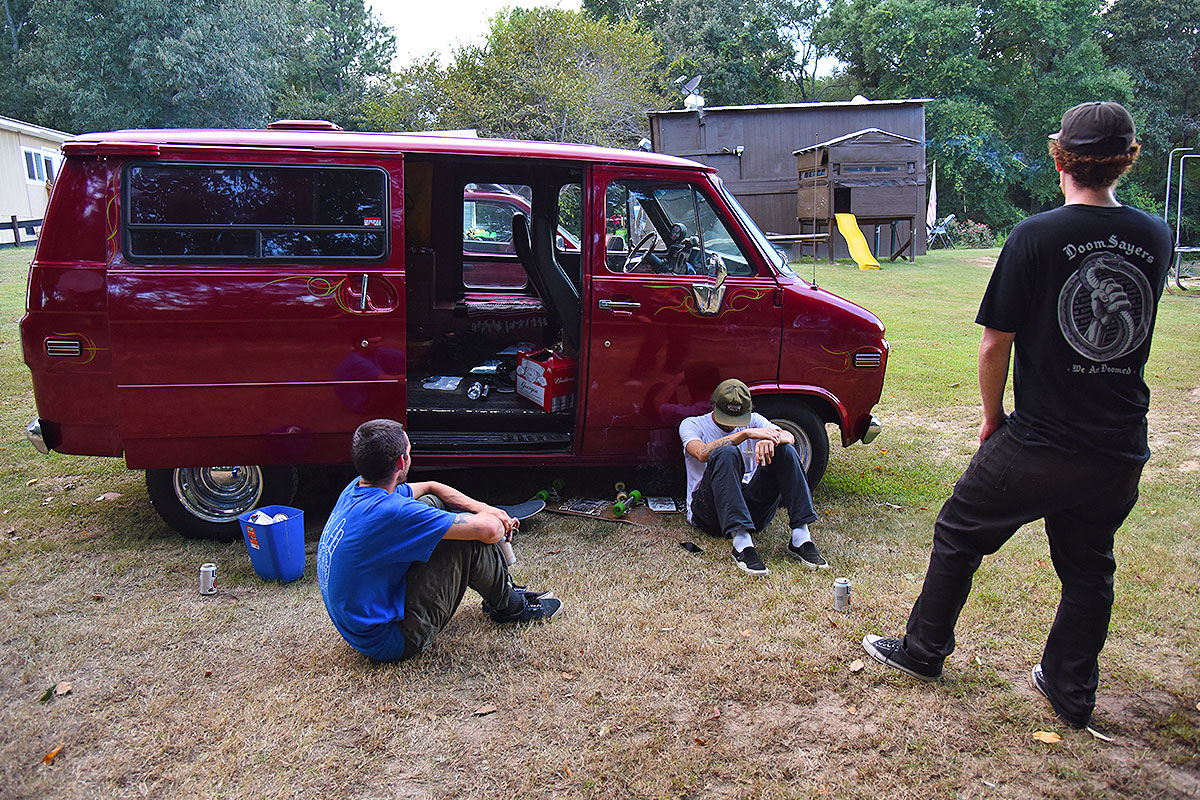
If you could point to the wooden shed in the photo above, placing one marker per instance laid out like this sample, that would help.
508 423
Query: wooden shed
753 148
29 161
877 176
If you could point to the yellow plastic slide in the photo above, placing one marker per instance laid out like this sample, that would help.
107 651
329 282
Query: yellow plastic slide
859 251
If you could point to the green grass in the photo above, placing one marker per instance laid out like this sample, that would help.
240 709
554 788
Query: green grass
252 694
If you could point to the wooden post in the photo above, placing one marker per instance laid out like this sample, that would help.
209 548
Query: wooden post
16 232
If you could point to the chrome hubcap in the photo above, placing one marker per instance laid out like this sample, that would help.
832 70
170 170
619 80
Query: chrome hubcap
218 494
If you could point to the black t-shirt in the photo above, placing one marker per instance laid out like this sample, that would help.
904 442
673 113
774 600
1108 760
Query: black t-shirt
1079 286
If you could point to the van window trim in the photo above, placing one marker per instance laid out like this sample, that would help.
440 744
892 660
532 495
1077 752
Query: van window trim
128 226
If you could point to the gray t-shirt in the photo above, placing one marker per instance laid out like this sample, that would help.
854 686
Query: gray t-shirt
702 428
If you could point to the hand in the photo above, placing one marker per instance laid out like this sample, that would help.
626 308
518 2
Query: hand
990 426
764 451
1107 299
511 524
764 434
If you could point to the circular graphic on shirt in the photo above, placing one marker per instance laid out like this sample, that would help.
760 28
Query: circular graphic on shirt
1104 308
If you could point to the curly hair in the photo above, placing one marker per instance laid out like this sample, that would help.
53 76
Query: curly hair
1093 172
376 447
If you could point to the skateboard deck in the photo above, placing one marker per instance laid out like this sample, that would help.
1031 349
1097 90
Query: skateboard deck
523 510
603 509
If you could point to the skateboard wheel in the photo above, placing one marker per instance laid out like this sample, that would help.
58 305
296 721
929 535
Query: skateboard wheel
620 487
619 509
634 496
622 497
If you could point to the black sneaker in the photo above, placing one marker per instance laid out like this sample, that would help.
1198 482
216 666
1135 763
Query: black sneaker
535 610
1038 679
889 651
807 555
487 608
748 561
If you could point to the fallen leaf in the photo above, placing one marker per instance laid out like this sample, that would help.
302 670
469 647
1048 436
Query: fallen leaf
604 731
716 713
852 709
856 665
1049 737
567 676
833 622
701 742
31 481
924 508
1097 734
208 673
108 496
746 632
955 385
979 661
908 576
53 754
1041 563
97 597
566 768
483 711
61 688
46 695
1198 706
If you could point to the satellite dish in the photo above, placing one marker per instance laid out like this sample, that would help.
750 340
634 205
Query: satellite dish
692 100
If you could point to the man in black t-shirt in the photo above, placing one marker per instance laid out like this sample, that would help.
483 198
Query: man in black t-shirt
1074 293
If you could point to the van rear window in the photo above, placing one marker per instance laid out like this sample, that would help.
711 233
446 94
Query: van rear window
224 212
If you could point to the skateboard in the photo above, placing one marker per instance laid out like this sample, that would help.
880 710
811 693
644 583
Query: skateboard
523 511
603 509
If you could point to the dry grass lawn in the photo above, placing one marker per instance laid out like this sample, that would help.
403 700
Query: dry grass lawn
670 675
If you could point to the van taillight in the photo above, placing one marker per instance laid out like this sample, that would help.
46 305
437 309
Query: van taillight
64 348
868 359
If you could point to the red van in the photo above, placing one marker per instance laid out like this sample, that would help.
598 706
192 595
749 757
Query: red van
219 306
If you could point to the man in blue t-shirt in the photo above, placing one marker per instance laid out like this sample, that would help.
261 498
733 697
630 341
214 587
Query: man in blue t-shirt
740 468
1073 295
393 569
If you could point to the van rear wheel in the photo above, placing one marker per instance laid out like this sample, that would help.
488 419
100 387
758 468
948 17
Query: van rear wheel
204 502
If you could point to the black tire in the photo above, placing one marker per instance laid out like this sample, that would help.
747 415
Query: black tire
204 502
812 440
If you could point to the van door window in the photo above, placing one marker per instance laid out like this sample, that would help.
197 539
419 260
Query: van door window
667 228
222 212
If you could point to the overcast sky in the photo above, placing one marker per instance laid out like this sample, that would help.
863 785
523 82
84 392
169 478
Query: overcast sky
428 26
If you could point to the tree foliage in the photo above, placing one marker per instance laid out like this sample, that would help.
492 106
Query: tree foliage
546 74
748 51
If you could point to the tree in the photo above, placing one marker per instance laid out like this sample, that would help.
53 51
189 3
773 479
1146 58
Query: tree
96 64
546 74
1001 73
743 48
339 51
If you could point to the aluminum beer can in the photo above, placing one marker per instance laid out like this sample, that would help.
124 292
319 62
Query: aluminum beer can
208 579
841 594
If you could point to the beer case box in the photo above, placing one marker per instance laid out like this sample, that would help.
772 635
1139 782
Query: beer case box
276 549
547 379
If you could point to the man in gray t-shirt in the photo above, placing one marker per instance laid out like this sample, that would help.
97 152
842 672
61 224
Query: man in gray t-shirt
740 469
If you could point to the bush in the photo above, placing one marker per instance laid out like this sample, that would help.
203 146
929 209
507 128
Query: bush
971 234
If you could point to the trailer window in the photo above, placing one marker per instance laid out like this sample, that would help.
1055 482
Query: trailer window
228 212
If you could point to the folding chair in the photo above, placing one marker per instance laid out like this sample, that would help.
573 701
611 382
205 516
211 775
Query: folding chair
940 232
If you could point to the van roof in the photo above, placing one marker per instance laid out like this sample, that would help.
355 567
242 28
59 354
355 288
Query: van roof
409 143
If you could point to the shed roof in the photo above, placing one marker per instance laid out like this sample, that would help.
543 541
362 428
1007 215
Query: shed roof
16 125
850 136
916 101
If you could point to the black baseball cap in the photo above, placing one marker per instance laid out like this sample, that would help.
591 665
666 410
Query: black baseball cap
731 404
1098 128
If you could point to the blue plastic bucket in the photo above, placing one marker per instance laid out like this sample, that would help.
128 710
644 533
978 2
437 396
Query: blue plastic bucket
276 549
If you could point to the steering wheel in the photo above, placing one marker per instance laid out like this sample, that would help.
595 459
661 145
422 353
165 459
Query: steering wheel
650 237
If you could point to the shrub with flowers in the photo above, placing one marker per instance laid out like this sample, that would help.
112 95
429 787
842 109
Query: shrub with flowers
971 234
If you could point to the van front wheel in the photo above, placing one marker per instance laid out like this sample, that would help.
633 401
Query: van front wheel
204 502
812 441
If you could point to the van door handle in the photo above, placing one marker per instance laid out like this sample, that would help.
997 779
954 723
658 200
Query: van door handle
619 305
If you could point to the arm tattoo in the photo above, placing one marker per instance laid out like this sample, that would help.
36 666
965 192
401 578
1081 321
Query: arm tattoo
460 518
715 444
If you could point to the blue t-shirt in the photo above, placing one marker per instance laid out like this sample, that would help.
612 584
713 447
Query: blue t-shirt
371 539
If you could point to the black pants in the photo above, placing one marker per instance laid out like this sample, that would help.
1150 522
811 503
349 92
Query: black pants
1012 481
722 504
436 588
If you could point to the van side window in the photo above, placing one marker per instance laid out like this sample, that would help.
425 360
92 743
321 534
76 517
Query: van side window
667 228
236 212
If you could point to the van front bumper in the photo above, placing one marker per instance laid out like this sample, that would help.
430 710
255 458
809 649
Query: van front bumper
873 429
34 434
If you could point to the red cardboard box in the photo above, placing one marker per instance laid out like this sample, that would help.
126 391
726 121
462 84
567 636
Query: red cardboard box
547 379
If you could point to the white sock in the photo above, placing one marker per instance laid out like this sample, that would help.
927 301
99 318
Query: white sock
741 541
800 536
